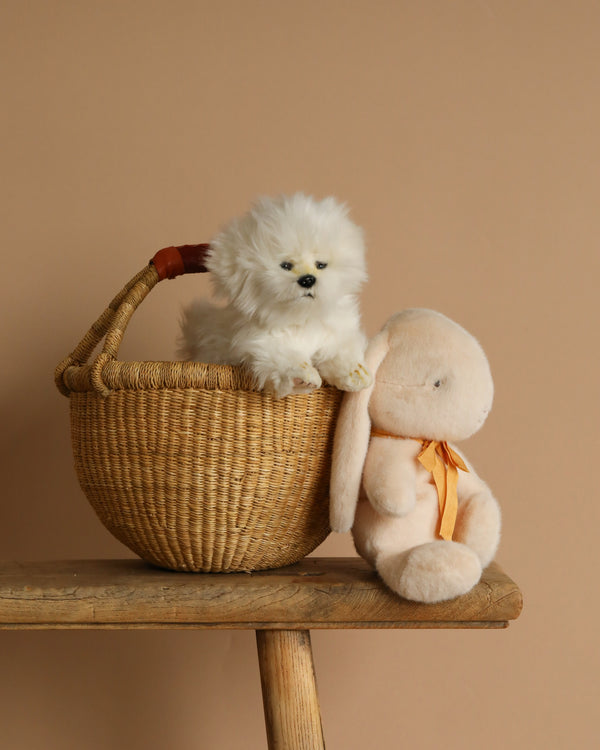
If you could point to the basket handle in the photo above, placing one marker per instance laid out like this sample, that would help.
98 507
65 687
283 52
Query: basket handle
167 263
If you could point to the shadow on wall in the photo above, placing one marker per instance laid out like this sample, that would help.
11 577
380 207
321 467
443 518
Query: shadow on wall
160 690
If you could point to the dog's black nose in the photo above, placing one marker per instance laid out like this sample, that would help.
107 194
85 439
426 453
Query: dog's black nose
307 281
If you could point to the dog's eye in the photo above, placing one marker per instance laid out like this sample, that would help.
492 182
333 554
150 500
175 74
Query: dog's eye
437 384
320 265
286 265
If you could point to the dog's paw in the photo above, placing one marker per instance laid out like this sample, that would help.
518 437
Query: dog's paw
302 378
305 379
302 386
350 378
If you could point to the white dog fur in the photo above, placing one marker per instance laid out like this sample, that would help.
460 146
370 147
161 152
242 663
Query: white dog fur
290 271
431 381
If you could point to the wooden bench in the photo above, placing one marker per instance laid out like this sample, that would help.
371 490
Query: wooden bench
281 605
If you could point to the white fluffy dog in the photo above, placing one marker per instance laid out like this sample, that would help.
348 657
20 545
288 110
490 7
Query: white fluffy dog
290 270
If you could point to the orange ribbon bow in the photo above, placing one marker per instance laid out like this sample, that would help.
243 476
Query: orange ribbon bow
443 463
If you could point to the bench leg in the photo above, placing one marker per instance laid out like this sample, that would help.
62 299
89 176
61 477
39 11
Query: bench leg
289 689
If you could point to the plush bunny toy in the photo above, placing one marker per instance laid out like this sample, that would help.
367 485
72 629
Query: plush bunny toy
419 514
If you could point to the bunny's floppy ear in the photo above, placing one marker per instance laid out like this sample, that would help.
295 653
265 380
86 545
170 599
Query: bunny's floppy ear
352 433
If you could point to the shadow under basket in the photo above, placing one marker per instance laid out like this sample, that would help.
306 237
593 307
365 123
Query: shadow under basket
186 463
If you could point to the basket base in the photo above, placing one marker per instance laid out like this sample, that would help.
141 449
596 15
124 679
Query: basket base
208 481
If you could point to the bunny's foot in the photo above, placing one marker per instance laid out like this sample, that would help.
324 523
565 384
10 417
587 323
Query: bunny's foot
432 572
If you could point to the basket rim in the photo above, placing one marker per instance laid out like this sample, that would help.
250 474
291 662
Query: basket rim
120 375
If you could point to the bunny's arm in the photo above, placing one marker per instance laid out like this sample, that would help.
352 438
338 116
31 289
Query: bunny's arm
390 475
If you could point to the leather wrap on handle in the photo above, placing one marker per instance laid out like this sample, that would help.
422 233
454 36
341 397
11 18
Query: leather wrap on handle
171 262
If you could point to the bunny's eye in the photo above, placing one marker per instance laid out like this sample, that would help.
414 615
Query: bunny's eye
437 384
286 265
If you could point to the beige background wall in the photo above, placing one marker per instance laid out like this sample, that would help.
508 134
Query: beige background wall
465 137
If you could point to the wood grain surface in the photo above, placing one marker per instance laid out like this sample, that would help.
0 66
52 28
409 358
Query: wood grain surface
289 689
314 593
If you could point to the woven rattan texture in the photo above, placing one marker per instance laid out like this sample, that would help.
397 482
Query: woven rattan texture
204 479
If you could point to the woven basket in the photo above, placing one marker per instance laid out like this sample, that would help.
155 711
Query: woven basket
186 463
